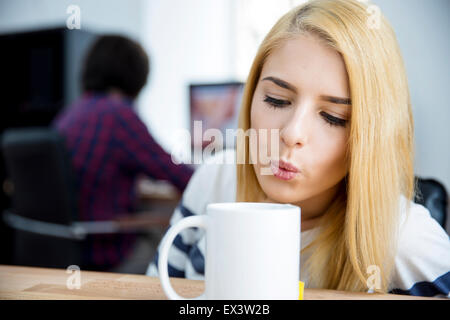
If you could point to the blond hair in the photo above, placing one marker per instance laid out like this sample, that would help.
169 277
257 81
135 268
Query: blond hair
360 227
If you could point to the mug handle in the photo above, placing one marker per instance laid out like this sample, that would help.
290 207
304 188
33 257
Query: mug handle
166 243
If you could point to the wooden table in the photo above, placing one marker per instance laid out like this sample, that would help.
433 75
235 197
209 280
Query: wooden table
50 284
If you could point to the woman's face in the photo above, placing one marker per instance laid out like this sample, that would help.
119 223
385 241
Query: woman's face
303 92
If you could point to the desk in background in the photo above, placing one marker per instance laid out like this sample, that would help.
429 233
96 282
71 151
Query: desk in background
157 201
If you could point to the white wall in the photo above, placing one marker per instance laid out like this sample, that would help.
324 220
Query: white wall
422 29
99 15
188 41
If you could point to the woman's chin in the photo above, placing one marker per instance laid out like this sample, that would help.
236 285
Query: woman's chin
281 194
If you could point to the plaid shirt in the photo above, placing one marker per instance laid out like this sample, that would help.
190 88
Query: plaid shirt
109 147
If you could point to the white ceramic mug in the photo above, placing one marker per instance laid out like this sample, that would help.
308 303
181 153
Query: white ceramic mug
252 251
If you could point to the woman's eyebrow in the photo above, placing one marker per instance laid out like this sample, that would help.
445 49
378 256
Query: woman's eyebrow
281 83
337 100
288 86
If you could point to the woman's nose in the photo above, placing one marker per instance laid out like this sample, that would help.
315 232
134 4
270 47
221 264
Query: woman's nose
294 133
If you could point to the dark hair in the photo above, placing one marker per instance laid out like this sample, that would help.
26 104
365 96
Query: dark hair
115 62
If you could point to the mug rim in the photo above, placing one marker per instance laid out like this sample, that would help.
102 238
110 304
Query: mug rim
264 206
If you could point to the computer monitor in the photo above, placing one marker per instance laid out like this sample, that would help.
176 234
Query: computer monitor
217 106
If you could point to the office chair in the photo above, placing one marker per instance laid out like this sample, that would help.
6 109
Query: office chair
432 194
44 201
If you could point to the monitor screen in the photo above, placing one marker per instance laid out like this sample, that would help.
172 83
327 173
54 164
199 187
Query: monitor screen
217 106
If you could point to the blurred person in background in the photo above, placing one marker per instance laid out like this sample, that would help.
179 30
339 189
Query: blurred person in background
110 147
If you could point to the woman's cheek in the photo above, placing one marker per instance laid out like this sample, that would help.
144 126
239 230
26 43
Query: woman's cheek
330 158
258 116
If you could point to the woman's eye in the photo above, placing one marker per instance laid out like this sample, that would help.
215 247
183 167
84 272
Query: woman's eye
333 121
276 103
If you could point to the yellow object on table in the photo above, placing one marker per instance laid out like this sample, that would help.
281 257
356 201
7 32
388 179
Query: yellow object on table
301 287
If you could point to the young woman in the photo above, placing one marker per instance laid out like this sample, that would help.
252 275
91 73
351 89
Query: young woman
336 90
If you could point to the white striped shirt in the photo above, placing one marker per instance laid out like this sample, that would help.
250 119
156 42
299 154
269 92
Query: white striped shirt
422 263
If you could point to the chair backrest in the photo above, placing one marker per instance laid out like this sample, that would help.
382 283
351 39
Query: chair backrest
432 194
43 189
39 168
